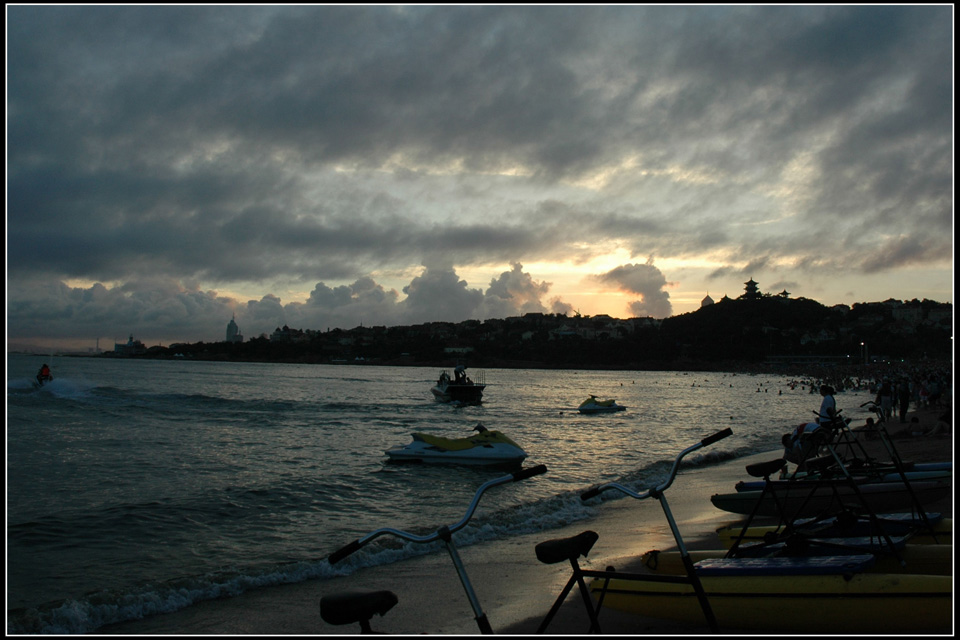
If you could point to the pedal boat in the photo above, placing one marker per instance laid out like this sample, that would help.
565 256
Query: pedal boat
491 448
861 477
592 405
834 594
917 532
924 559
810 499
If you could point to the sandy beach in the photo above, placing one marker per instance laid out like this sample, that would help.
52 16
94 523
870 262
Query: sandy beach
514 589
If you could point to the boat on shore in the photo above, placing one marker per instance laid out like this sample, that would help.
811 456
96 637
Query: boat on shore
486 448
793 595
860 477
593 405
935 530
792 500
924 559
460 389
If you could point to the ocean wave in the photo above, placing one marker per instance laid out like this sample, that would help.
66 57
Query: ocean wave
94 611
87 614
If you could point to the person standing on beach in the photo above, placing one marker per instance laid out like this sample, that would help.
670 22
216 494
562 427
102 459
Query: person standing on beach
903 395
885 399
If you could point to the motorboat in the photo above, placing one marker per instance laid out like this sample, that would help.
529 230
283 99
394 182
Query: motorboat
593 405
460 389
485 448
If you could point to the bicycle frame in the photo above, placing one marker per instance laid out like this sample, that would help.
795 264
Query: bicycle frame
658 493
445 533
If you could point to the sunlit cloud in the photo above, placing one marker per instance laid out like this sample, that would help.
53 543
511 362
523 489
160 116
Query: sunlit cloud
324 163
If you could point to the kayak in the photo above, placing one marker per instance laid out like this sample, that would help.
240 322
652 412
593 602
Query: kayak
771 598
804 500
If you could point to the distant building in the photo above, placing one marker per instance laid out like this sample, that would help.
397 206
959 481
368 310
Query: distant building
286 334
751 290
131 348
706 302
233 331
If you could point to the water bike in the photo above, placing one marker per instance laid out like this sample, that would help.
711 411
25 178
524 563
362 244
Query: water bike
485 448
592 405
359 606
794 594
41 380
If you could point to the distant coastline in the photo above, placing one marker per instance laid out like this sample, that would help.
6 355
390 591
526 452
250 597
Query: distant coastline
766 334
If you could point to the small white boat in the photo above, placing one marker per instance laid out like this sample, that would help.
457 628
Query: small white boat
485 448
592 405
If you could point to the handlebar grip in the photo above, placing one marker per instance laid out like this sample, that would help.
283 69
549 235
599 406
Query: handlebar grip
590 493
720 435
340 554
523 474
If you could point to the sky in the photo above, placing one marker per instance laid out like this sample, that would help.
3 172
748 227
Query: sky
172 167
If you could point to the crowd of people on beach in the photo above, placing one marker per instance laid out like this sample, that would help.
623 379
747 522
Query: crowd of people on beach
896 388
928 386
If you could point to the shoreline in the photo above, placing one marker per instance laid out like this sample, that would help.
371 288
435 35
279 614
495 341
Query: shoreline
515 590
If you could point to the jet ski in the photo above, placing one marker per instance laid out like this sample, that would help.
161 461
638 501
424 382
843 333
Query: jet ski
485 448
592 405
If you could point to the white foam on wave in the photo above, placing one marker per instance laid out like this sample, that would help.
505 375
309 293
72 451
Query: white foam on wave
89 614
59 387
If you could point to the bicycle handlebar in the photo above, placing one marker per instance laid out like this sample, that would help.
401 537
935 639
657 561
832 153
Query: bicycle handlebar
719 435
354 546
656 490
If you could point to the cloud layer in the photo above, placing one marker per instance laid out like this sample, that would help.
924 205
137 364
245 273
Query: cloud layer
169 152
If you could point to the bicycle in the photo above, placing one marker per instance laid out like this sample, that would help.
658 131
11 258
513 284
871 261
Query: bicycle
573 547
359 606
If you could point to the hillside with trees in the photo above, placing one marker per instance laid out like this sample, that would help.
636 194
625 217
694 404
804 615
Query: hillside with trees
749 331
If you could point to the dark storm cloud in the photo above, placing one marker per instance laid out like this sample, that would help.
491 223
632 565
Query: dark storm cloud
252 144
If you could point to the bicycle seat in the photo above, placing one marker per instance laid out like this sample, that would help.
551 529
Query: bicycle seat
560 549
353 606
764 469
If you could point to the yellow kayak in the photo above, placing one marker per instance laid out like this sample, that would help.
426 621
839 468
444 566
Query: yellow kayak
862 603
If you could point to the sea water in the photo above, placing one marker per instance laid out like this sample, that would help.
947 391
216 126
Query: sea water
140 487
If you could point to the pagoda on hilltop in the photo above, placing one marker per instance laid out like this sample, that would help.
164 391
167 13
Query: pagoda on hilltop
750 291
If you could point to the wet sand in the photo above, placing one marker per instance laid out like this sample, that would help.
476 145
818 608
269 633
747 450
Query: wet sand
513 587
